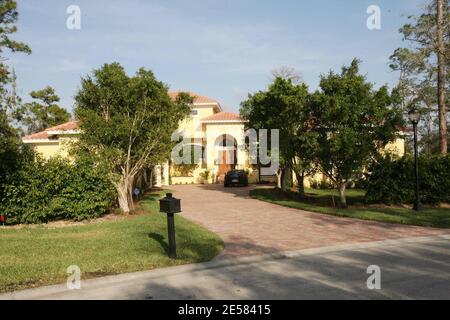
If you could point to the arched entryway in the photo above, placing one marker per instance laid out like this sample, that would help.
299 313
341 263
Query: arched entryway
226 155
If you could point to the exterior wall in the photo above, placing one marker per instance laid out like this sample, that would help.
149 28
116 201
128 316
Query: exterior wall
215 130
157 176
184 180
47 149
253 176
307 182
205 134
52 148
191 126
397 147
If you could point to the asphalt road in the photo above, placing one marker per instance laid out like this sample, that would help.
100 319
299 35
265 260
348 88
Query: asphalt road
413 268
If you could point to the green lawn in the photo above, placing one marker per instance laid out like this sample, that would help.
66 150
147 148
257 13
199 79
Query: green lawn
322 201
35 256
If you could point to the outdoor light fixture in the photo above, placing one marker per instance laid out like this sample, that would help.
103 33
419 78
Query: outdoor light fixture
170 205
414 117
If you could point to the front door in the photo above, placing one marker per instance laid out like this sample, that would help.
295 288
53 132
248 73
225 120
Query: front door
224 161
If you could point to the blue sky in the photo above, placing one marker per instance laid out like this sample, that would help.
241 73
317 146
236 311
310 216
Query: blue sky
222 49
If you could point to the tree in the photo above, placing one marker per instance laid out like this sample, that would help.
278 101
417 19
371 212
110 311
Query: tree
354 123
8 18
10 145
284 106
43 113
426 64
442 53
126 123
287 73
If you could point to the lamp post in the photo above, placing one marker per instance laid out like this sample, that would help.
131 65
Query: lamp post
414 117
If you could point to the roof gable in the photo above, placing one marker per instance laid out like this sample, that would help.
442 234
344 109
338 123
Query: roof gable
223 117
67 127
198 99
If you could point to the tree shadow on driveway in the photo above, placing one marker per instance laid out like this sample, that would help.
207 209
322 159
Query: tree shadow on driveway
409 271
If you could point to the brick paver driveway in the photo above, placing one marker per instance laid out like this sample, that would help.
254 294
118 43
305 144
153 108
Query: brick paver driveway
250 226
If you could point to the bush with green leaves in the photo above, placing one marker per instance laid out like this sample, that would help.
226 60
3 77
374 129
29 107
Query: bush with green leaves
392 181
55 189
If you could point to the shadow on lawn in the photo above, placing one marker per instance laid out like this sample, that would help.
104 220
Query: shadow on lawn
161 240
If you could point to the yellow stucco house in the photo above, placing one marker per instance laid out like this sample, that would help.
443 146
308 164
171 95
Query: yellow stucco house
219 134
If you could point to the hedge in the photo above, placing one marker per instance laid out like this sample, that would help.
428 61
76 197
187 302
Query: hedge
392 181
55 189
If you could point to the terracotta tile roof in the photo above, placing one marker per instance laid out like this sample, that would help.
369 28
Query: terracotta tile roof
37 135
223 116
197 98
71 125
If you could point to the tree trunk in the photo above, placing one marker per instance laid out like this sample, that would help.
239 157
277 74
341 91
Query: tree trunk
441 77
342 198
284 178
301 184
125 194
151 178
279 176
122 196
130 182
259 172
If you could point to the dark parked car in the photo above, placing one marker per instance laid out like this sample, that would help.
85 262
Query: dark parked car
236 178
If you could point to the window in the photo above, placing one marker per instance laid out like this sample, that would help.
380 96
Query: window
194 112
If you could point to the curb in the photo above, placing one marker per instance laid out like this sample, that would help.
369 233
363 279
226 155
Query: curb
107 281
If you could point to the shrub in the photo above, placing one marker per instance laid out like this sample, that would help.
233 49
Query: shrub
46 190
392 181
314 184
205 175
320 184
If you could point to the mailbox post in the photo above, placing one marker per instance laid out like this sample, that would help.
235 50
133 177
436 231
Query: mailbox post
170 205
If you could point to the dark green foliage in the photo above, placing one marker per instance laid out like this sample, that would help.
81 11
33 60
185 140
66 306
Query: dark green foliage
42 191
354 122
10 144
284 106
391 181
44 112
321 184
127 123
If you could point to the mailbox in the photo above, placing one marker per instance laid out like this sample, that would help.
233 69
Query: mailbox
169 204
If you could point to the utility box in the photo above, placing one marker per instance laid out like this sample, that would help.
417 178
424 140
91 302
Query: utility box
169 204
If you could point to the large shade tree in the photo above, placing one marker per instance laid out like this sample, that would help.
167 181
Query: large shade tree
284 106
127 123
354 122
